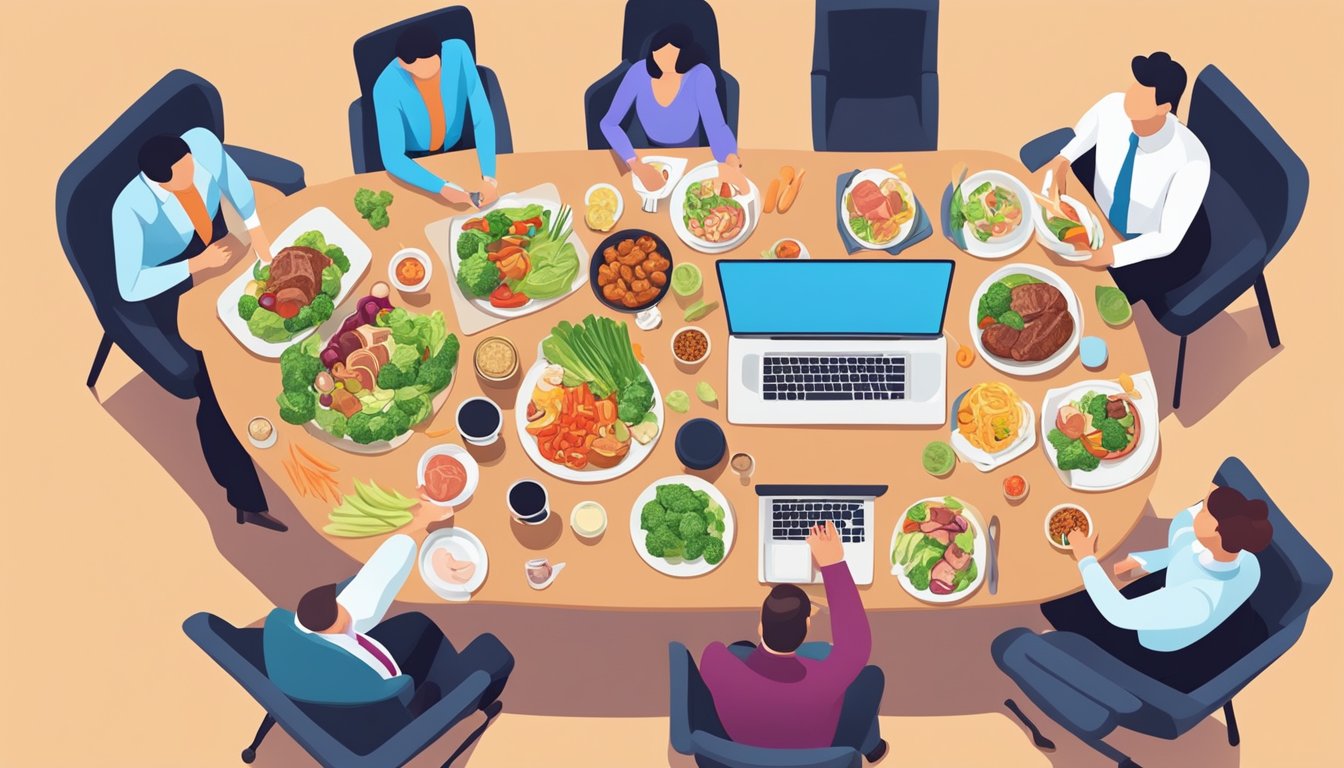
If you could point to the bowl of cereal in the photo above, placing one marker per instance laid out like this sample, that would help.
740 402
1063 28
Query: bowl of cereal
1063 519
690 345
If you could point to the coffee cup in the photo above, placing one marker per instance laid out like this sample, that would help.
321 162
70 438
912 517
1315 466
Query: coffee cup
480 420
528 502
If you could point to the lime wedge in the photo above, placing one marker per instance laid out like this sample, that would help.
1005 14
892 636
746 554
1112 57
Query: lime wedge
1113 306
699 309
686 279
938 458
705 391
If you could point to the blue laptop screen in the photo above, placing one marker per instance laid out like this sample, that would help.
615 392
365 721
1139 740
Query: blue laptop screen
835 297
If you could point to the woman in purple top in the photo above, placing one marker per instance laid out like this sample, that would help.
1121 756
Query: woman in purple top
673 93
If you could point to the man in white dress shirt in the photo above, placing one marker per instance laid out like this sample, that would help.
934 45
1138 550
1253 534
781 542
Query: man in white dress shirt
1150 176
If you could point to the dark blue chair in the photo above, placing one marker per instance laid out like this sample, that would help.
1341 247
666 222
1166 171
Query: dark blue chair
875 76
380 735
374 51
696 730
643 18
90 185
1257 192
1090 693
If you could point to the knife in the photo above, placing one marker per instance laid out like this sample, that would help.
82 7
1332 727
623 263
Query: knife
994 555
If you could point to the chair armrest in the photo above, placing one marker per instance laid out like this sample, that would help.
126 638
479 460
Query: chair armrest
284 175
928 109
359 159
597 100
679 708
819 109
1039 151
1072 672
498 110
437 720
730 753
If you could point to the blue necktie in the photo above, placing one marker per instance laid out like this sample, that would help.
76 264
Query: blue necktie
1119 214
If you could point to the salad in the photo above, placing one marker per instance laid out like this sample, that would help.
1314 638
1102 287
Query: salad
375 378
935 547
1094 428
992 211
876 212
512 256
296 291
683 524
593 399
711 213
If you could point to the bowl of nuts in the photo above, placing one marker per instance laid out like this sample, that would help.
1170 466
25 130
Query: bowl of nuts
690 345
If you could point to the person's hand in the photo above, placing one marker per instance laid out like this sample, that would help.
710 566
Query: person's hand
731 172
1059 183
217 255
489 191
824 541
1083 545
650 177
261 243
1125 567
1098 259
455 196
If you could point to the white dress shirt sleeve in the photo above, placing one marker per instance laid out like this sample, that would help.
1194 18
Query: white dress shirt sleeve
1084 133
1174 607
368 596
1184 197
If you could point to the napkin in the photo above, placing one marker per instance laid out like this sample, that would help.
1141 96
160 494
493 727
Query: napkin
958 237
920 230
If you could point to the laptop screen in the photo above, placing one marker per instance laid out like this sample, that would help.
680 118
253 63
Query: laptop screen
835 297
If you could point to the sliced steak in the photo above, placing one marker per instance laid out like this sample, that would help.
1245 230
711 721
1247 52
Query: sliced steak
956 556
1115 409
999 340
943 571
296 267
941 515
867 197
941 536
1031 300
1044 336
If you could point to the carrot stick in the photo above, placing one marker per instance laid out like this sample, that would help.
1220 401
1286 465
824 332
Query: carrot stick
315 480
320 464
293 476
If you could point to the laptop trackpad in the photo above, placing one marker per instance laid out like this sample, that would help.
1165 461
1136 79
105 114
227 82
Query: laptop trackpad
751 373
790 564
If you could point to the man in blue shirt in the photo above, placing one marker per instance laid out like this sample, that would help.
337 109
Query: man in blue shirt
420 102
167 228
1188 619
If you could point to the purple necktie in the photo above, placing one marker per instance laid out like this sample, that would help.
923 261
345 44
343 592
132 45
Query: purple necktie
368 645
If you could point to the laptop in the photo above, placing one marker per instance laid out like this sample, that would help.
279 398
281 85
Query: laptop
787 512
836 341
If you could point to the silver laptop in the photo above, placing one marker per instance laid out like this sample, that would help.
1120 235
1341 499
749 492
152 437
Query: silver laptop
787 512
836 341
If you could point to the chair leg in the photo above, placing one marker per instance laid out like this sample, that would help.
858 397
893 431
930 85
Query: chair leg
1266 311
1180 375
250 753
494 708
1233 734
99 359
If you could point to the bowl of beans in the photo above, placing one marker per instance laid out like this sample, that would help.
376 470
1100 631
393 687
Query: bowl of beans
690 345
1064 519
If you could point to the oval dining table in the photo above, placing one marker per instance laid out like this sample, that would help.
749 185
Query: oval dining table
608 573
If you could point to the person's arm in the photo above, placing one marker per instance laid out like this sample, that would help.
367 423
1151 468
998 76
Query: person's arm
1154 560
722 142
482 117
368 596
1184 197
1178 607
851 637
621 105
1085 132
135 281
392 143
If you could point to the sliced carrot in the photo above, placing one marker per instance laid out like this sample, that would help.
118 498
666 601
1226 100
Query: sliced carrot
320 464
294 477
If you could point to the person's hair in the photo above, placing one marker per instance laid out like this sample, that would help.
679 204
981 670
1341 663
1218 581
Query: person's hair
317 609
689 53
1242 523
784 618
418 41
158 154
1159 72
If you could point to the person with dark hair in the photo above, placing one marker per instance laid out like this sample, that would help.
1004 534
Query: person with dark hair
168 228
787 694
673 93
420 103
1150 177
1188 618
337 649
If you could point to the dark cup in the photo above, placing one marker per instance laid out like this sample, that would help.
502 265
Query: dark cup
528 502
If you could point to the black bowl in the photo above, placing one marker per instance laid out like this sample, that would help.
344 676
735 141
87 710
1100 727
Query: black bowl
700 444
597 261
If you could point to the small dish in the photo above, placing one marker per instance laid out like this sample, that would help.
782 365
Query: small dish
1092 352
406 259
690 342
461 456
581 510
773 251
615 215
492 359
542 565
1016 483
261 432
1051 516
700 444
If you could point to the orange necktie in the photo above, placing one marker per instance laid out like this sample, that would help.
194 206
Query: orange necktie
433 97
195 207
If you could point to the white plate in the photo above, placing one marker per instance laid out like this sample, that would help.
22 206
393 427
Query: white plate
877 176
638 452
1013 242
1114 473
803 253
515 201
984 460
336 233
1061 355
463 545
972 516
381 446
468 463
676 566
620 204
750 202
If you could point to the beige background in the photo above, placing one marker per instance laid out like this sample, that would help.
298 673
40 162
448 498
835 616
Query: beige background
105 553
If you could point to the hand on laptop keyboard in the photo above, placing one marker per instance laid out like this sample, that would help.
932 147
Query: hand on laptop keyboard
824 541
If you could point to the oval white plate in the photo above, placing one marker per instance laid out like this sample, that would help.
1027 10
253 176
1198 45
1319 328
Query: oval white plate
1115 473
677 210
972 516
463 545
468 463
984 460
877 176
998 249
1061 355
678 567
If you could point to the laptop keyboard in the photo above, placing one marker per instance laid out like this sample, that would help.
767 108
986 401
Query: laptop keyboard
851 377
792 518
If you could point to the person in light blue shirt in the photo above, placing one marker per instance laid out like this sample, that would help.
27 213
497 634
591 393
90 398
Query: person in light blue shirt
420 102
1196 585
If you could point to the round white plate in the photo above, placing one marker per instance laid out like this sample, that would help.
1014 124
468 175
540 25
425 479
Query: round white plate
676 566
877 176
638 452
1061 355
751 204
463 545
984 460
468 463
1113 473
620 204
1013 241
803 253
972 516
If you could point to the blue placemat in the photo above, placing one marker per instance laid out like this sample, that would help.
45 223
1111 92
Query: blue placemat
958 236
920 230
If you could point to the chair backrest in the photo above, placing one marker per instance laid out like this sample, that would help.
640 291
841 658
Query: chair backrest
875 47
692 705
645 17
1246 151
89 186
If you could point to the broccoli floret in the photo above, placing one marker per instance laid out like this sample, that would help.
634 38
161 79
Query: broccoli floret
634 400
331 281
691 524
478 275
379 218
312 239
322 307
499 222
298 368
359 428
919 513
677 498
331 421
390 376
1095 405
713 553
651 516
247 306
998 299
297 406
1058 439
373 206
1012 320
437 371
1075 456
694 546
662 542
338 258
471 241
415 408
672 520
304 319
1113 436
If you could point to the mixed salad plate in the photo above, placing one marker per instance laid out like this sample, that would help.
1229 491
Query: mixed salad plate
682 526
992 208
1101 434
879 208
938 550
315 263
708 215
1025 320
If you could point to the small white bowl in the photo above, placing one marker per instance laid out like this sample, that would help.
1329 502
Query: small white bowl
573 520
803 253
418 255
620 203
709 345
463 457
1091 526
267 442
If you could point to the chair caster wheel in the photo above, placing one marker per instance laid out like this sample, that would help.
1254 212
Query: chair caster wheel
249 755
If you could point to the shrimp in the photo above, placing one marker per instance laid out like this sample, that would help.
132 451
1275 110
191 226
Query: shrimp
612 292
658 279
627 274
605 275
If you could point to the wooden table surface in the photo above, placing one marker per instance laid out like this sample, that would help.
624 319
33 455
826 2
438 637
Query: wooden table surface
608 573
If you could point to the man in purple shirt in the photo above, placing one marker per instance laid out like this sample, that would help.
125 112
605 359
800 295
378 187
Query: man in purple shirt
785 694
